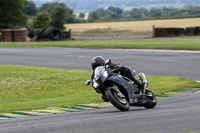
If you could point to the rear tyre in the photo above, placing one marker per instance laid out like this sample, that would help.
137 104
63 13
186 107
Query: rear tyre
151 100
120 103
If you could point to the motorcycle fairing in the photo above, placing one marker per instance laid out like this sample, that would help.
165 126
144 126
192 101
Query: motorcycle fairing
128 86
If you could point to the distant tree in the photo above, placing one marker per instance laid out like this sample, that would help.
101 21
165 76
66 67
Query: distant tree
116 10
41 20
81 15
114 15
11 13
70 17
103 14
139 13
194 10
93 16
30 8
58 17
49 8
155 12
29 22
174 12
144 11
126 15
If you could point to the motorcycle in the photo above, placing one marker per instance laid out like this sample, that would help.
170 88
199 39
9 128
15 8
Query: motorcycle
121 91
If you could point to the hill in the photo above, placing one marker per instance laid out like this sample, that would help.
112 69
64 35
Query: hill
89 5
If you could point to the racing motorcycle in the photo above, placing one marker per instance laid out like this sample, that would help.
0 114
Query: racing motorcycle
121 91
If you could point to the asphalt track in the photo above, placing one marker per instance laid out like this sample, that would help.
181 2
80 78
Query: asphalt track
174 114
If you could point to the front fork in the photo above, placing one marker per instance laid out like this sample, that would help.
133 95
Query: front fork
118 92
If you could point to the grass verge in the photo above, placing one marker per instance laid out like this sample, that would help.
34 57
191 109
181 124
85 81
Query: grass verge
26 88
127 44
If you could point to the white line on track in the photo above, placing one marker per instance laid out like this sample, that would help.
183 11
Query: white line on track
153 50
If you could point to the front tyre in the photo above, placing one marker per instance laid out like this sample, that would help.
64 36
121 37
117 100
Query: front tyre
151 100
119 102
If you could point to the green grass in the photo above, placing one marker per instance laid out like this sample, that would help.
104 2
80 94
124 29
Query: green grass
127 44
26 88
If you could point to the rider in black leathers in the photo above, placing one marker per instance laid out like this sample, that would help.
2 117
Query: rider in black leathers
125 71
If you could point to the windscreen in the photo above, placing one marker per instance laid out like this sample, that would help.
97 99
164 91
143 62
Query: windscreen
98 71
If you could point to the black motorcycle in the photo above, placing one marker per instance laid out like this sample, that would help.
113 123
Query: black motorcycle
121 91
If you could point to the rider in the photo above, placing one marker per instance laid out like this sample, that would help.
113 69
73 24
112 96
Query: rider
99 61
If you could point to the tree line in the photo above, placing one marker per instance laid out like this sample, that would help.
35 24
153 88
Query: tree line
49 14
55 14
23 12
91 5
115 13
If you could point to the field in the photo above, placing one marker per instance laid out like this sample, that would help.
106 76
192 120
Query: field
134 29
147 24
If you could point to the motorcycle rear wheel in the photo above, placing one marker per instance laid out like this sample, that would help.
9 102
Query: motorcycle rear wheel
119 103
151 100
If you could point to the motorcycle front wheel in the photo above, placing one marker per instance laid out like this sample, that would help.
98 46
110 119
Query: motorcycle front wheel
120 103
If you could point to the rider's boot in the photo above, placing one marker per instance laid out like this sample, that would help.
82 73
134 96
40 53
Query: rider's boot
138 83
